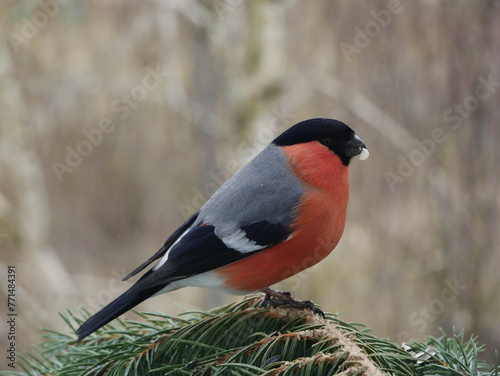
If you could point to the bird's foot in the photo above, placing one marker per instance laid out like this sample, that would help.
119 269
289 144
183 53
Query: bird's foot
281 298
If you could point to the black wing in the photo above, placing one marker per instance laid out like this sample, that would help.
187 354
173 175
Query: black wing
168 243
201 250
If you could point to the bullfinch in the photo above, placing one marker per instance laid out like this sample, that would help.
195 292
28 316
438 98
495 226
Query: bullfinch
282 213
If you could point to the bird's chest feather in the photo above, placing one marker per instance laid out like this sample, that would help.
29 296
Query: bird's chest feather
318 228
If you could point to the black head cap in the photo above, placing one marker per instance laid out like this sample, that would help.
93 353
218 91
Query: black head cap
334 134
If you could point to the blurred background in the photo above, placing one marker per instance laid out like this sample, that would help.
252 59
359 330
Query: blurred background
120 118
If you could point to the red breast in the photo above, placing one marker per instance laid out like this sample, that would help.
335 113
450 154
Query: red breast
317 230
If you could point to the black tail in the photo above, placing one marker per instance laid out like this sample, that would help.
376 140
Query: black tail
122 304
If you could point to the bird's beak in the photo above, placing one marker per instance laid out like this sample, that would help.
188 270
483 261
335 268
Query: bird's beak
364 154
358 147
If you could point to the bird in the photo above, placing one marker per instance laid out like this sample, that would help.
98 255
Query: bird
281 213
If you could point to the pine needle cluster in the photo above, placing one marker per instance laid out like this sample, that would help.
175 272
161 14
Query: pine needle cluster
244 339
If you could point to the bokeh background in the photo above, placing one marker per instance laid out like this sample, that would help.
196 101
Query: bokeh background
120 118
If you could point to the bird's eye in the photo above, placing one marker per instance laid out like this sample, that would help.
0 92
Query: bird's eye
326 141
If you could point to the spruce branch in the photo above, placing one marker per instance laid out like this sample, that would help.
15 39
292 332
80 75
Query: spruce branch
244 339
